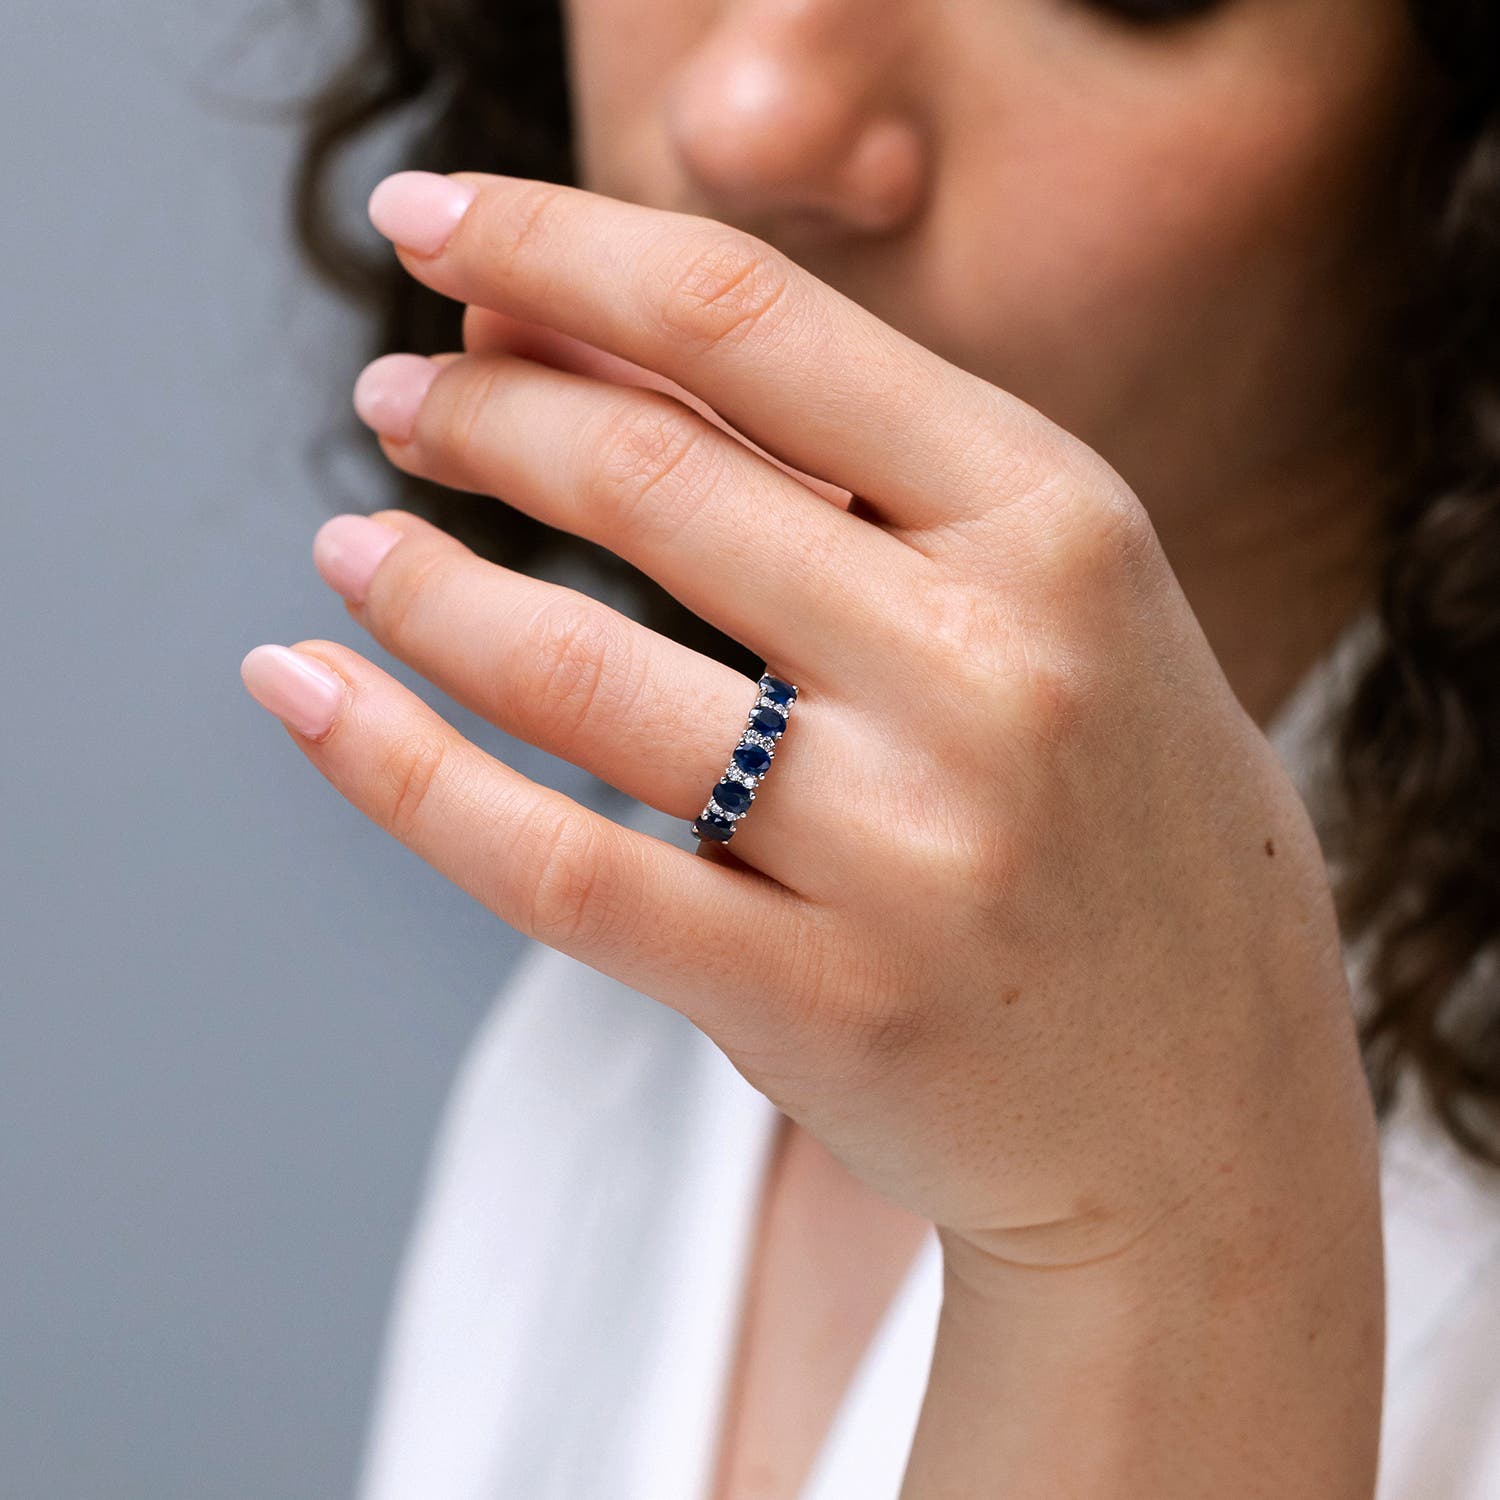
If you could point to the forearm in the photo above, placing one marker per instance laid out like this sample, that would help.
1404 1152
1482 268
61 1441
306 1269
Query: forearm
1239 1354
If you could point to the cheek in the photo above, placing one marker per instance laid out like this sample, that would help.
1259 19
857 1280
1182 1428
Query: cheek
1087 220
1141 232
1220 193
619 53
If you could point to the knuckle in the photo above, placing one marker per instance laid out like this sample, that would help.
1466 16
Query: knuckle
654 463
455 431
570 643
1019 461
956 621
961 633
1120 532
568 904
1049 697
1047 700
1137 546
399 608
727 288
1089 533
520 222
404 778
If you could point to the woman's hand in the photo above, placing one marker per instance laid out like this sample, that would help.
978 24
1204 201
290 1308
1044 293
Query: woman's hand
1028 925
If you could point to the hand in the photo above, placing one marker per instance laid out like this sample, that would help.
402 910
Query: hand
1028 924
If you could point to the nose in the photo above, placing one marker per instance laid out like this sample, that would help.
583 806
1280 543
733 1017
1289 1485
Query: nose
787 112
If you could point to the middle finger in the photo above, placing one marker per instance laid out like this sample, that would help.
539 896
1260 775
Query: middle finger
809 588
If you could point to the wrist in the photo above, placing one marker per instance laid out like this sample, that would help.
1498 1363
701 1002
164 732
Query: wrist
1231 1346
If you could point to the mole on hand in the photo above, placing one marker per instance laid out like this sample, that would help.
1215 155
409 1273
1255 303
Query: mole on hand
1271 848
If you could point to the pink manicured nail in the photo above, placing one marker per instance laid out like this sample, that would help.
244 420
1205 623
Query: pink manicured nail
346 551
303 693
389 391
419 210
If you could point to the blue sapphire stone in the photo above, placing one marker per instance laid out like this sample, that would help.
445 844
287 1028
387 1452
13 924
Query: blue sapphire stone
752 760
768 721
777 690
711 826
732 796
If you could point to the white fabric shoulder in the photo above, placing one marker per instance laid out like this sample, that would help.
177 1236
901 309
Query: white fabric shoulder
1441 1436
574 1273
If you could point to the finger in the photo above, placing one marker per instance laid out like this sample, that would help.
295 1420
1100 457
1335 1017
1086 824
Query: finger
486 331
568 674
489 331
788 360
812 590
1077 535
627 904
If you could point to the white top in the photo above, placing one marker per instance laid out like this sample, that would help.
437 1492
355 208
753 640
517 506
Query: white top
566 1313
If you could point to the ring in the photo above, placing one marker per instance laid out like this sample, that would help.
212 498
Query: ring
735 790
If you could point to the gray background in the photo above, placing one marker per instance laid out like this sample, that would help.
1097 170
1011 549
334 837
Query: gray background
229 1005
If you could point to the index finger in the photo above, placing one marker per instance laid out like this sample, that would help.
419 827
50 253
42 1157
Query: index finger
788 360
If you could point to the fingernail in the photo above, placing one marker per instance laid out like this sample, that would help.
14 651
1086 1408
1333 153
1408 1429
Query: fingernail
346 551
419 210
389 390
303 693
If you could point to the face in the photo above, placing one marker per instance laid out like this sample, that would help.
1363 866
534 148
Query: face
1170 235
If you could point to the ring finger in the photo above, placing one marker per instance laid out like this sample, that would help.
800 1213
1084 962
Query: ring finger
566 673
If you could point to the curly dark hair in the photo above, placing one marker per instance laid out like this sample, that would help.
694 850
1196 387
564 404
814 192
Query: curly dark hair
1416 741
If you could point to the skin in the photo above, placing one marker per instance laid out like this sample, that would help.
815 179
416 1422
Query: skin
1169 239
1029 927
